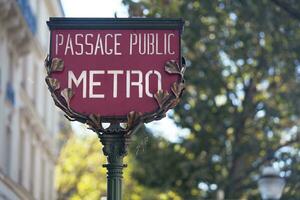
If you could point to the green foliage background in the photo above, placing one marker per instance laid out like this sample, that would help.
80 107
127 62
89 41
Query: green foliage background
80 175
242 96
241 106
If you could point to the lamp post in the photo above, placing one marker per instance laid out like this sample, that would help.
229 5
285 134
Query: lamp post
270 184
84 81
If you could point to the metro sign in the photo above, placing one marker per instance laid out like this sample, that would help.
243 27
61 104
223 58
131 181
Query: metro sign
111 67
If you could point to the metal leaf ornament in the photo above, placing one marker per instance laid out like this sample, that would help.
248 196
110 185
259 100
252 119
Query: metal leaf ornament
183 66
133 118
172 67
53 83
69 118
96 120
47 64
67 94
161 97
177 89
57 65
173 103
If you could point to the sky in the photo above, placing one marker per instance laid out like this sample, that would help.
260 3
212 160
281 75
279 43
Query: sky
108 8
94 8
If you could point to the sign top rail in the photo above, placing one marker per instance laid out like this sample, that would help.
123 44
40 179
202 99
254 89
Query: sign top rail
55 23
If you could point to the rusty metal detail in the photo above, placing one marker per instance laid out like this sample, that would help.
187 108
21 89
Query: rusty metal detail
67 94
52 83
162 97
172 67
133 120
177 89
57 65
165 100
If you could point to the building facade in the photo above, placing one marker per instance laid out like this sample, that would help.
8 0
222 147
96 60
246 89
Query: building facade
29 121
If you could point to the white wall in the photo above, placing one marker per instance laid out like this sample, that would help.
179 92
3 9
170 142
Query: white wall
3 79
28 160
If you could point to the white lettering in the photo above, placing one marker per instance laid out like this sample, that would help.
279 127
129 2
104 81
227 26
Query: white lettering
89 44
57 43
110 44
79 44
115 80
117 44
127 84
134 78
156 46
132 42
150 47
69 45
139 83
165 44
82 77
99 45
169 44
92 84
108 51
142 47
147 82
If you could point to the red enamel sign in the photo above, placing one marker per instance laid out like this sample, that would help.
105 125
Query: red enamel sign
114 71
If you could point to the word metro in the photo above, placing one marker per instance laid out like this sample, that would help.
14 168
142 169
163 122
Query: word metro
142 83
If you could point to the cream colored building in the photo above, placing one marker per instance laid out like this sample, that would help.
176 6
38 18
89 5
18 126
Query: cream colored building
29 121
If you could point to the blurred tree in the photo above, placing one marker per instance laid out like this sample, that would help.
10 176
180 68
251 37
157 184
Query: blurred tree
80 175
241 102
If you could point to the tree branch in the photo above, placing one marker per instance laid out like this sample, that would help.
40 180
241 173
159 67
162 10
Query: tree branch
266 158
239 127
285 6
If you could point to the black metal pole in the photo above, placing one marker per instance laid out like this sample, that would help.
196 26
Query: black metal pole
114 148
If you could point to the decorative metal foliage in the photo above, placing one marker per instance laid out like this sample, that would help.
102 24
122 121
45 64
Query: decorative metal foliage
52 83
164 99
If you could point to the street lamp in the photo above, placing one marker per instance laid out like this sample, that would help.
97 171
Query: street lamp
270 184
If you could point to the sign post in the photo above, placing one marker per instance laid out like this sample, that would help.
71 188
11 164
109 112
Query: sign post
115 70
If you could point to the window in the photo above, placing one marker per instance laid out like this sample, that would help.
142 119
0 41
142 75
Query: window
1 89
9 91
45 106
32 168
50 188
33 5
34 84
42 95
11 66
7 150
21 156
30 76
24 72
42 184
